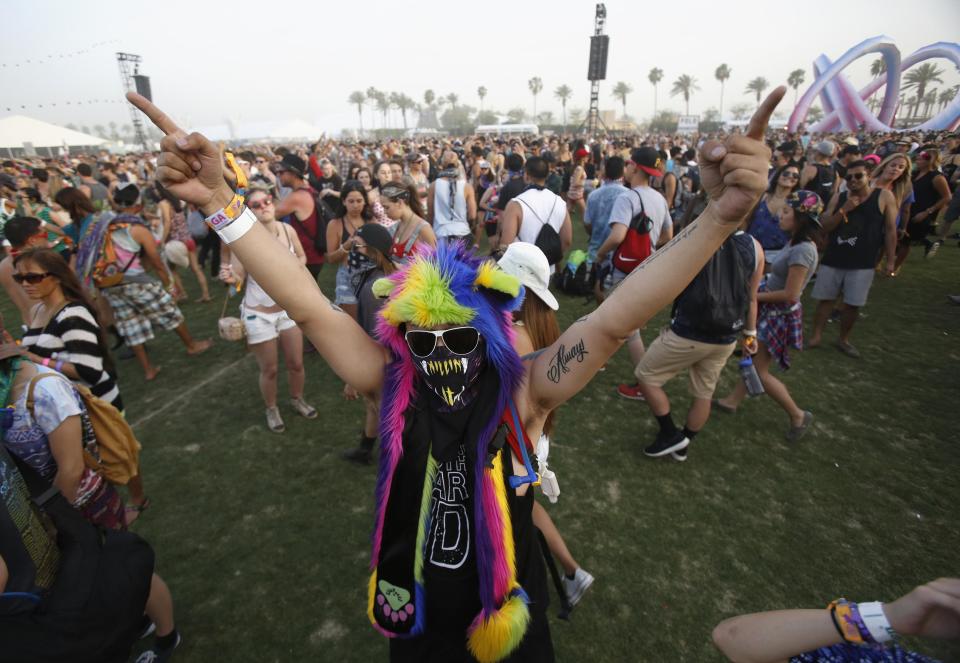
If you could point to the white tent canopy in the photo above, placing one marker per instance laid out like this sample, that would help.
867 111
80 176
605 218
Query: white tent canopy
16 130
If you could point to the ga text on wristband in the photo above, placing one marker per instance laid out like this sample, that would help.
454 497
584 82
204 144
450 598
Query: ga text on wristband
232 230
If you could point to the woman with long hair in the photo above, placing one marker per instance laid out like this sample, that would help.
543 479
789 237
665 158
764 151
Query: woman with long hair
371 252
535 327
764 223
780 313
932 194
402 204
893 174
80 208
267 325
340 239
64 333
173 217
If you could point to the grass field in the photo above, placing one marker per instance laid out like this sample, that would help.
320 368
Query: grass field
263 538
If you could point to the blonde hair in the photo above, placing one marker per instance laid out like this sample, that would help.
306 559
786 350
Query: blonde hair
902 186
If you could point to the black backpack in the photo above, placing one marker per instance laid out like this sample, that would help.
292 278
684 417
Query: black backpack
716 302
547 240
822 182
576 278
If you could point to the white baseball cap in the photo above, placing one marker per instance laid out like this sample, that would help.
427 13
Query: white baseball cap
527 262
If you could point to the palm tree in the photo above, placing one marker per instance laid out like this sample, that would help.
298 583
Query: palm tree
815 114
429 97
757 86
919 78
358 98
535 85
545 118
655 76
372 96
795 80
113 130
403 103
620 91
685 85
929 99
563 93
452 99
576 115
99 130
722 73
947 95
878 67
383 105
481 92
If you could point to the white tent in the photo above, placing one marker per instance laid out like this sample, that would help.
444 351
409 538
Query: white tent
18 133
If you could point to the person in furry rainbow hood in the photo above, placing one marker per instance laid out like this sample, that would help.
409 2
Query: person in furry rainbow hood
455 575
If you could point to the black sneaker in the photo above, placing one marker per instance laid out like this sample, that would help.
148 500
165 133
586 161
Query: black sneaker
158 655
665 444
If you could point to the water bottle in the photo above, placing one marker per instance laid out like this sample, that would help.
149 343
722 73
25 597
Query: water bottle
750 378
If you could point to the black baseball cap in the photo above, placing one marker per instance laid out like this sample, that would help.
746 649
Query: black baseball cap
377 236
648 160
293 164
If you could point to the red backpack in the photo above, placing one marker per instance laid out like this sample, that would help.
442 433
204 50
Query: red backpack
636 246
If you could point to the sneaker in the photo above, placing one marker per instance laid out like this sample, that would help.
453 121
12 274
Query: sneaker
630 391
680 455
274 422
848 349
575 588
148 628
358 455
954 298
794 433
932 249
304 409
157 655
665 444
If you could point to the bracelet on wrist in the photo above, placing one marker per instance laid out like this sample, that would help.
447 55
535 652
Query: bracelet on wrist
842 613
230 230
58 367
875 622
749 332
45 361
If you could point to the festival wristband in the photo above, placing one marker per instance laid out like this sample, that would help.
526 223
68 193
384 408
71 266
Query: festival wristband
876 622
45 361
230 213
842 614
750 332
232 230
58 366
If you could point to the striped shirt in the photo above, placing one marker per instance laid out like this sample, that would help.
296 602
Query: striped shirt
73 334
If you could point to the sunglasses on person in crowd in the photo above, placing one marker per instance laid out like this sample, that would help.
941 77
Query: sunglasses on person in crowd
258 204
791 175
458 340
33 278
855 176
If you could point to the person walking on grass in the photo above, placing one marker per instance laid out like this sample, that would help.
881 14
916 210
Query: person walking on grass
780 314
267 325
456 573
142 301
535 328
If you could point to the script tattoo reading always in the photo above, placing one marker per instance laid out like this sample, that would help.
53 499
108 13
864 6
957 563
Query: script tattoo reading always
560 362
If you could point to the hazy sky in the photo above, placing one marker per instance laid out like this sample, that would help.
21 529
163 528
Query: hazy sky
257 61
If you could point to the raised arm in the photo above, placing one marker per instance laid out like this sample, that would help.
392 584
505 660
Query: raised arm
189 168
735 175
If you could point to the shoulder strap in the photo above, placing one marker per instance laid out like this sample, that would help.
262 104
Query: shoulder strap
531 477
413 237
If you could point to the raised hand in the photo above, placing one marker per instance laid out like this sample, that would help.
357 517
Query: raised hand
190 166
734 172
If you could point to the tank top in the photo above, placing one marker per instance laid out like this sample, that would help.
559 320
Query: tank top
855 242
765 228
540 207
307 229
924 193
254 295
400 251
450 220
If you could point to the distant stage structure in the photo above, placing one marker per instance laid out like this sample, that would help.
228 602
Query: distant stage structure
844 107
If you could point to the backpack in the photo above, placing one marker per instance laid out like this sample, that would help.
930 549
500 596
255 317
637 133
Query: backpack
97 263
574 279
716 301
119 450
325 214
636 246
822 182
547 239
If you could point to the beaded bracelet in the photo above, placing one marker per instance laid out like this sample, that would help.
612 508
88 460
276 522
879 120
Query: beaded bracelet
58 366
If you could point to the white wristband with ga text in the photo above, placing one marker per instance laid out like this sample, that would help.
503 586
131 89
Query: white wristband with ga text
876 621
231 231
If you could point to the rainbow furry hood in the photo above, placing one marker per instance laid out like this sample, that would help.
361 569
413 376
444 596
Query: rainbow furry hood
451 285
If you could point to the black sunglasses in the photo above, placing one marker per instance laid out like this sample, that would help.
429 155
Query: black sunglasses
855 176
459 340
33 278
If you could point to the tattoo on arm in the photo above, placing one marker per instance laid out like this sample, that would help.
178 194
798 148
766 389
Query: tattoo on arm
560 363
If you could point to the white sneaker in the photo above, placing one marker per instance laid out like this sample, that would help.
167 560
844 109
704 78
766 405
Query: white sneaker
575 588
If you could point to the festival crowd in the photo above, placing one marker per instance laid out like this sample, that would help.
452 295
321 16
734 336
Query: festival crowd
433 241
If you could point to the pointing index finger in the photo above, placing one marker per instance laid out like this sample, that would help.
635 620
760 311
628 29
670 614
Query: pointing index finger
758 123
162 121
